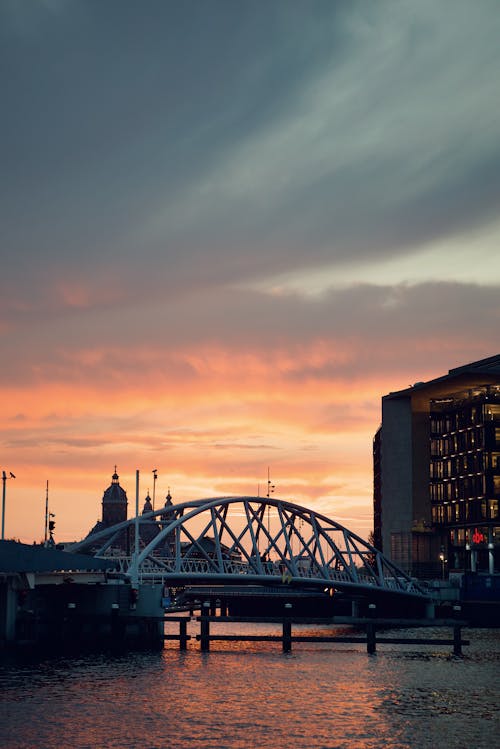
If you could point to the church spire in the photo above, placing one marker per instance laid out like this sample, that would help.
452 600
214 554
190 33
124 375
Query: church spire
114 502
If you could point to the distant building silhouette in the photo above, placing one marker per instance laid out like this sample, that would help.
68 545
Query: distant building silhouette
114 510
114 506
148 527
114 503
165 519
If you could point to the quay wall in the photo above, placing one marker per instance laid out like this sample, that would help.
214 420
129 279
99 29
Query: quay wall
72 616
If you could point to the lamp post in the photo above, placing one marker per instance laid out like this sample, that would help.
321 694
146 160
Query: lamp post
4 481
155 471
442 559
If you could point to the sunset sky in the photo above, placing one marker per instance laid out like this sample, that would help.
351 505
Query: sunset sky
228 227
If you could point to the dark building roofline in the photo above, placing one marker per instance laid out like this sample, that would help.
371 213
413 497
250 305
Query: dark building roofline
489 367
17 557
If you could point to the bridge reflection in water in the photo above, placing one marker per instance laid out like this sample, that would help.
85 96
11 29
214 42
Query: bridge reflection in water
251 541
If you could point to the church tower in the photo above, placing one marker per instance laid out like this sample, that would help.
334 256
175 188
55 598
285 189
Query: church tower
114 503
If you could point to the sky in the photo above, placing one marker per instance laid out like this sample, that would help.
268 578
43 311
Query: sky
227 230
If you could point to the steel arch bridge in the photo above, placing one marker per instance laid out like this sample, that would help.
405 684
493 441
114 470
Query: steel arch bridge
248 541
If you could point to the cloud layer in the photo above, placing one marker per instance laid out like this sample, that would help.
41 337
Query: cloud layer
229 228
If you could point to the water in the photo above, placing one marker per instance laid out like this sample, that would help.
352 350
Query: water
242 695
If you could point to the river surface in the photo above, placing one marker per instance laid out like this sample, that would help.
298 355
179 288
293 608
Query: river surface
251 695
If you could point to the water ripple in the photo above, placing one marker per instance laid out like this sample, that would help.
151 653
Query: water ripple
321 697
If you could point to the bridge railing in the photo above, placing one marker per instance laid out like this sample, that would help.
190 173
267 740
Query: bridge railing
160 570
187 565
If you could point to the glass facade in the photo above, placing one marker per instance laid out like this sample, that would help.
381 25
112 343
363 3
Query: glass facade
465 477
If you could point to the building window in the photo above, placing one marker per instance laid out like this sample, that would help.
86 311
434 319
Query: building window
491 412
437 514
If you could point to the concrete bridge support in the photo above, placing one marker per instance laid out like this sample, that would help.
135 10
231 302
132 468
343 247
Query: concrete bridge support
8 612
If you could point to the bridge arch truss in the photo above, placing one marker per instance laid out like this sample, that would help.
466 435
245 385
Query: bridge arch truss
250 540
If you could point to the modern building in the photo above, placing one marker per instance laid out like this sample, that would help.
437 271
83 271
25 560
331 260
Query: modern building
437 473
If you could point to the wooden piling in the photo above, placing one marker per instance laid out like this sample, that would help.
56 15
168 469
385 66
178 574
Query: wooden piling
370 637
287 629
457 640
183 638
205 627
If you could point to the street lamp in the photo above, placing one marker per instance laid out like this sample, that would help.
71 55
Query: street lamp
443 560
4 480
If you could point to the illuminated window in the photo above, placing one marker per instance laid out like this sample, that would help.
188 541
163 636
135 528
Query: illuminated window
437 469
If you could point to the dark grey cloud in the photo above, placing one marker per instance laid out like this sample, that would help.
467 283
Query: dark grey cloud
109 104
198 142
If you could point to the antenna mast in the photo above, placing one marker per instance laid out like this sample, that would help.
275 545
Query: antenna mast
46 514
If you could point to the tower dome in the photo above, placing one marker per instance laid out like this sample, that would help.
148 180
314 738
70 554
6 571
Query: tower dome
168 515
148 507
114 502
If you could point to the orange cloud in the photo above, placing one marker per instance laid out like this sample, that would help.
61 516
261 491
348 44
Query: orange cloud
213 432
